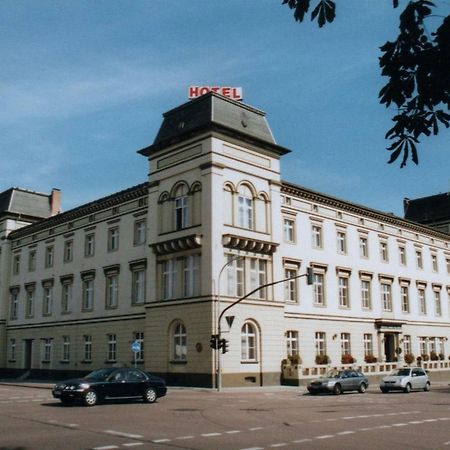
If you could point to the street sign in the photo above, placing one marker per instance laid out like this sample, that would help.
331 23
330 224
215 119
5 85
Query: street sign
136 346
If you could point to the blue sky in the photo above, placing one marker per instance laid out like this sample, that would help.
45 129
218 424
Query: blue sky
83 85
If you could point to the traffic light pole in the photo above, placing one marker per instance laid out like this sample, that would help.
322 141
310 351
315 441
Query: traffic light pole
308 274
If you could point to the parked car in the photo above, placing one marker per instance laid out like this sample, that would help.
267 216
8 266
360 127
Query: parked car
110 383
338 381
405 379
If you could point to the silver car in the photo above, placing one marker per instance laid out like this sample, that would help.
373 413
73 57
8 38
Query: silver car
338 381
405 379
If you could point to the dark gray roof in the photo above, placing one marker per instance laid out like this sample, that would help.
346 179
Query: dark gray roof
214 112
432 209
25 203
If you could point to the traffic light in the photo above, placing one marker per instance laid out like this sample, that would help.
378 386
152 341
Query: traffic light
224 345
309 275
214 341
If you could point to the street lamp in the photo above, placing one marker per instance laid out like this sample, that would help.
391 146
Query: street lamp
309 279
218 338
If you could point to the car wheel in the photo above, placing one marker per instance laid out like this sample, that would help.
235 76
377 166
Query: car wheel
150 395
384 390
362 388
337 390
90 398
427 387
407 388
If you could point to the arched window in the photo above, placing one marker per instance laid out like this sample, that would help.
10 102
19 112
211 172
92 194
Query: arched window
249 340
245 207
181 207
179 340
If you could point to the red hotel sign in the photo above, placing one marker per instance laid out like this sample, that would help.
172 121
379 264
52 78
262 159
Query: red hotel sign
235 93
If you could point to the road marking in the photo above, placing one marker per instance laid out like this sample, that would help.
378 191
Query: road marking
185 437
343 433
399 424
158 441
301 441
325 436
253 448
133 444
255 428
232 431
281 444
105 447
122 434
211 434
349 417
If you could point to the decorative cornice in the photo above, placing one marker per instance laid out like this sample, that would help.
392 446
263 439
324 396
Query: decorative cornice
177 244
248 244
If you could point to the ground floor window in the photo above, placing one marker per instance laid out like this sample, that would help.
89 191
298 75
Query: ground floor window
248 343
179 342
112 348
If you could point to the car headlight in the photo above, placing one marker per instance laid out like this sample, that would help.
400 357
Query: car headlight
83 386
331 383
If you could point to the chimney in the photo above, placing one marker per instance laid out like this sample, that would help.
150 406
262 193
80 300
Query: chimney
55 202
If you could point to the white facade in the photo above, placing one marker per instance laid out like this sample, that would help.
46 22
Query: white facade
214 223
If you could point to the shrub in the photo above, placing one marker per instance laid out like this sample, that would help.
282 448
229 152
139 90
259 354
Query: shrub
409 358
295 359
441 356
425 357
434 356
322 359
347 359
370 358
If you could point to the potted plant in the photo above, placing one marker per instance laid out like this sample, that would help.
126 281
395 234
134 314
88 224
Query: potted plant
434 356
322 359
295 360
425 357
347 359
370 358
441 356
409 358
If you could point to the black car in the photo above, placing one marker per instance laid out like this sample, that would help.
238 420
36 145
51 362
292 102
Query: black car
110 383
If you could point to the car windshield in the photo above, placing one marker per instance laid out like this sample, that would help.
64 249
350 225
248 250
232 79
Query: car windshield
101 374
334 373
400 372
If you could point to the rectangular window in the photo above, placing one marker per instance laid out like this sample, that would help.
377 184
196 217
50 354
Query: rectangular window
140 232
112 291
341 242
66 349
289 230
191 278
235 276
113 239
111 354
386 296
404 295
87 348
29 309
419 259
437 303
258 269
14 311
168 279
68 251
46 350
138 289
434 263
290 286
345 344
12 350
402 254
384 253
423 346
363 247
366 298
316 231
32 261
344 298
16 264
319 289
407 344
88 294
245 212
49 256
139 337
66 297
89 245
320 342
47 301
292 343
422 301
368 345
447 263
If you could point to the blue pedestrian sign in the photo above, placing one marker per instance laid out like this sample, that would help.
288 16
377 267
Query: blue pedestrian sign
136 346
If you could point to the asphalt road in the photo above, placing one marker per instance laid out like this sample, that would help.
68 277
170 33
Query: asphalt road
287 418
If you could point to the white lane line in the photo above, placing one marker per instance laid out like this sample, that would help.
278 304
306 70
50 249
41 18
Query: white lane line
159 441
281 444
106 447
133 444
301 441
349 417
325 436
185 437
399 424
253 448
232 432
255 428
211 434
122 434
343 433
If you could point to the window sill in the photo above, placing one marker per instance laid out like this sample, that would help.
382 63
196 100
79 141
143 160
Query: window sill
86 362
64 362
45 362
139 362
249 362
178 362
12 360
112 361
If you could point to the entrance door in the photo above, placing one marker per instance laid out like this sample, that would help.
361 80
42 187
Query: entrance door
389 347
28 353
